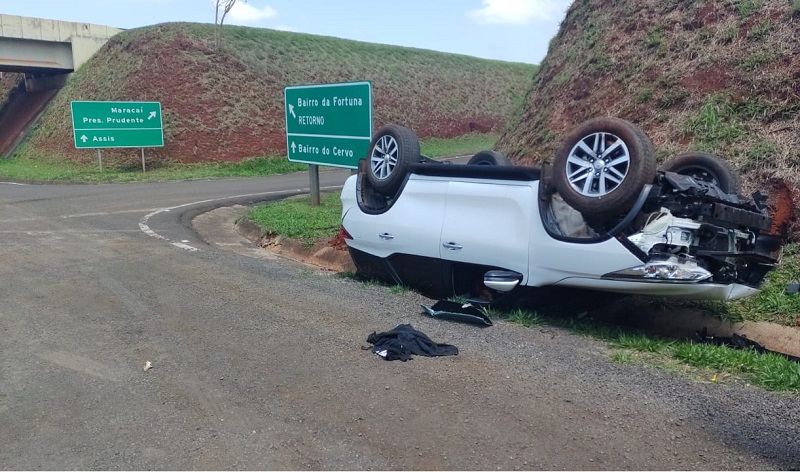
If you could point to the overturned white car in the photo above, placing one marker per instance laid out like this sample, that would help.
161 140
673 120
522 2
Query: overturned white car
602 217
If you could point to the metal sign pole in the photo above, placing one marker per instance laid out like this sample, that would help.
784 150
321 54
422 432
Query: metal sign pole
143 169
100 159
313 175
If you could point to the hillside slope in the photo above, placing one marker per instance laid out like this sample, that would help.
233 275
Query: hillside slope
227 104
721 76
8 82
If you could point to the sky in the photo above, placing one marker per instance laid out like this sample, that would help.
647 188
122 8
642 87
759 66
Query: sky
507 30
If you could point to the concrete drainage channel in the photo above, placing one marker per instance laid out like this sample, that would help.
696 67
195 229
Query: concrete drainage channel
227 228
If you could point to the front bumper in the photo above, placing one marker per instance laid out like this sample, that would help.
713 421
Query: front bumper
661 288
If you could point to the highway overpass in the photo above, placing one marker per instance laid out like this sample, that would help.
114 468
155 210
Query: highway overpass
47 50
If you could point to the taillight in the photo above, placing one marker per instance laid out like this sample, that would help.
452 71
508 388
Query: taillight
343 233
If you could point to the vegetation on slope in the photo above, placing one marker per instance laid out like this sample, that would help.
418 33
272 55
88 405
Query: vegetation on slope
8 82
227 103
715 76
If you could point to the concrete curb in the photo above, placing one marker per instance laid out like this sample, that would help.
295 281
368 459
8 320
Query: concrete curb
321 254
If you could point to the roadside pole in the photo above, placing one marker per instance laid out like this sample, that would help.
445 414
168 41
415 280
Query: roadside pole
313 174
143 169
100 158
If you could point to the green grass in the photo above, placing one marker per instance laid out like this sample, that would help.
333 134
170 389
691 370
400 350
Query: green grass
295 218
716 123
644 95
769 371
655 38
399 289
748 7
458 146
639 342
754 61
760 30
773 303
524 318
45 169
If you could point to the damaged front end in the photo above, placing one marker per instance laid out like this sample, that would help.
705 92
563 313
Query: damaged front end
690 232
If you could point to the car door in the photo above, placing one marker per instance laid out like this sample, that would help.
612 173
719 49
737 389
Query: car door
488 223
413 224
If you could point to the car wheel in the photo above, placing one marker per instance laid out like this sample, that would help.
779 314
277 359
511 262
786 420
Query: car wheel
489 158
705 167
603 165
391 153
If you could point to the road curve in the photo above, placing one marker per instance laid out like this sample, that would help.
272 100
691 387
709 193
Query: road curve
258 363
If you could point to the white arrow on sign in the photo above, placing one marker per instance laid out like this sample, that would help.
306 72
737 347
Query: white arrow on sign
152 115
84 138
293 146
291 110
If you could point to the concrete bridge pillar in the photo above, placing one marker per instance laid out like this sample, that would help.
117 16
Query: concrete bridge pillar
34 83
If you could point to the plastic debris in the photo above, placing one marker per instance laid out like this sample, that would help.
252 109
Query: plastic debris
454 311
147 366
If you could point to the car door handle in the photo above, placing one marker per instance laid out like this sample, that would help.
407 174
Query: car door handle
452 246
386 236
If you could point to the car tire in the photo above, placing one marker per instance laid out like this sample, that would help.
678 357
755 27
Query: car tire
489 158
391 153
705 167
603 165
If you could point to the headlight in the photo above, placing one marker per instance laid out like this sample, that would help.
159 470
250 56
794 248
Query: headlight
674 269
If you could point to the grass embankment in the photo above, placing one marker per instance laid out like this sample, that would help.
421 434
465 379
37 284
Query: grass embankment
226 103
726 84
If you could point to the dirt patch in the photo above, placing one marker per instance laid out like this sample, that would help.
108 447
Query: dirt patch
706 81
782 206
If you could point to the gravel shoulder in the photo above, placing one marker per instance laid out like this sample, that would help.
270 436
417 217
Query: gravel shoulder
514 398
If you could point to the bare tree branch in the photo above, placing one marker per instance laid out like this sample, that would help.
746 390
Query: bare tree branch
225 6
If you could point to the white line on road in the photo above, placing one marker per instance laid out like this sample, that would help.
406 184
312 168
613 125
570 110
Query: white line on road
106 213
179 244
65 231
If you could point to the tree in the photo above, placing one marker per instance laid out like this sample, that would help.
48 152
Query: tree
225 6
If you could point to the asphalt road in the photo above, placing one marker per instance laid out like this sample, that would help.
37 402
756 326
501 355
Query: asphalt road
258 361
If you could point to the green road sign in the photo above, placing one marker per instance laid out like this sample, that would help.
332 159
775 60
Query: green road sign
329 124
117 124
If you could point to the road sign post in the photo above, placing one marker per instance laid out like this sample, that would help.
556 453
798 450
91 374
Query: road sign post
328 124
98 125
